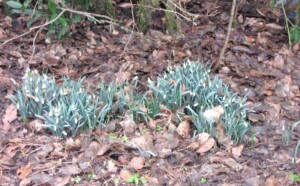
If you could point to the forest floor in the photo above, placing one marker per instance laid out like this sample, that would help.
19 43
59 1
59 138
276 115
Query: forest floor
257 62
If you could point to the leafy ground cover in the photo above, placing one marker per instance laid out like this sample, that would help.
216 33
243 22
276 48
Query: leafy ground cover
157 150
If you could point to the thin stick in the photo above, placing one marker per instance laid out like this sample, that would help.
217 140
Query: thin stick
227 37
134 24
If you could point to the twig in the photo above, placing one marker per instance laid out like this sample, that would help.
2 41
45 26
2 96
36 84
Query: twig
33 44
286 24
134 24
227 37
93 16
33 28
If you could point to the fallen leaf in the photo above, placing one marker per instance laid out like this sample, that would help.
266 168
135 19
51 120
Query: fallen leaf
122 77
145 143
237 151
250 39
137 163
9 116
125 174
125 5
103 149
183 129
202 137
61 181
128 125
231 163
24 172
206 146
271 181
69 170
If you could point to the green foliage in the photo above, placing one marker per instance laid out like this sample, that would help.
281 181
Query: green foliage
203 180
70 108
109 8
18 8
191 87
287 133
74 111
66 109
76 179
144 15
295 177
295 33
136 179
60 27
171 22
34 93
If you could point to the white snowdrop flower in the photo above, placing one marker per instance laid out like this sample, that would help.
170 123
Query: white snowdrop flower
35 72
64 133
30 79
196 104
56 111
135 78
14 81
56 120
18 106
245 124
54 94
44 86
61 91
36 90
72 106
76 119
54 128
50 113
165 96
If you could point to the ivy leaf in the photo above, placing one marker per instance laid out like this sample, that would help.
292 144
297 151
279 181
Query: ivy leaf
52 7
14 4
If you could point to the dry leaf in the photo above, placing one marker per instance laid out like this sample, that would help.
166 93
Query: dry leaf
9 116
206 146
23 172
128 125
237 151
152 123
125 174
183 129
103 149
203 137
250 39
122 77
70 170
137 163
125 5
233 164
213 114
272 181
